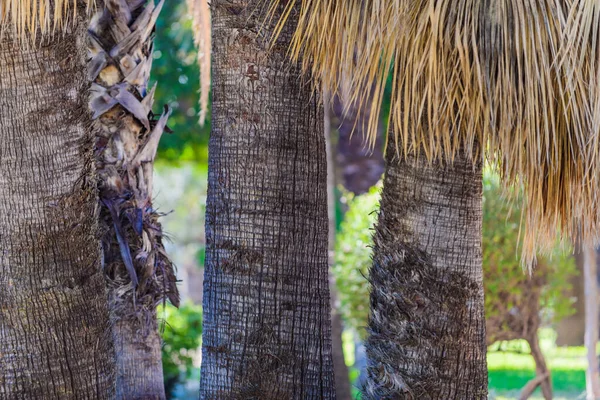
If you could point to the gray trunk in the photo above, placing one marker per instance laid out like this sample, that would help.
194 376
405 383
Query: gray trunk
427 328
266 296
571 330
590 268
139 360
54 322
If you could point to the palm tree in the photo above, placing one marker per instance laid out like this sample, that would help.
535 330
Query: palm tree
54 318
266 295
470 79
139 273
427 324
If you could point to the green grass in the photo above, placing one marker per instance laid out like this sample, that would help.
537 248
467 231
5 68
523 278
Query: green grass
510 371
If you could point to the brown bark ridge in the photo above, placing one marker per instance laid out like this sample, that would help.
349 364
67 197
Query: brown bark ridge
266 295
55 338
139 272
427 326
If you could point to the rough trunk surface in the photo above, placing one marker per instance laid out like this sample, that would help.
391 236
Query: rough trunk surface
427 328
266 295
139 273
54 322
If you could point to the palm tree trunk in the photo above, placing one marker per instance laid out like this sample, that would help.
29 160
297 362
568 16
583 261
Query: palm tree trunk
266 295
139 273
54 320
427 328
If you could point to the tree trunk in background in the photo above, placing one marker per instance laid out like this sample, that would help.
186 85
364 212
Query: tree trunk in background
427 328
54 321
342 378
590 268
359 166
541 369
139 274
266 290
570 330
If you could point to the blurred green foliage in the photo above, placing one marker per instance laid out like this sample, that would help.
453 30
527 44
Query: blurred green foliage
504 276
177 73
508 289
353 257
182 335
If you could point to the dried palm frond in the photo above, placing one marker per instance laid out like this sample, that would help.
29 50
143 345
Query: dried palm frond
128 132
514 80
200 11
47 16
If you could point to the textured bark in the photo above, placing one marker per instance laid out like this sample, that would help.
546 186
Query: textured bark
266 295
54 322
590 268
427 328
139 361
139 273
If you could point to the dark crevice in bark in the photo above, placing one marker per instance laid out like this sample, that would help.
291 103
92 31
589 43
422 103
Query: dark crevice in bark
54 321
427 327
266 295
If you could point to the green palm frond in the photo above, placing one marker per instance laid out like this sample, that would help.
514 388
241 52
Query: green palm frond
27 17
516 78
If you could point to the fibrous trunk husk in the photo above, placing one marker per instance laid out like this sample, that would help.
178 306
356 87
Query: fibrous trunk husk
138 270
427 324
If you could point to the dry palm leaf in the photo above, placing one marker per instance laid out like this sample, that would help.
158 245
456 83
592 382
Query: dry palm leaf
516 78
200 11
47 16
128 133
